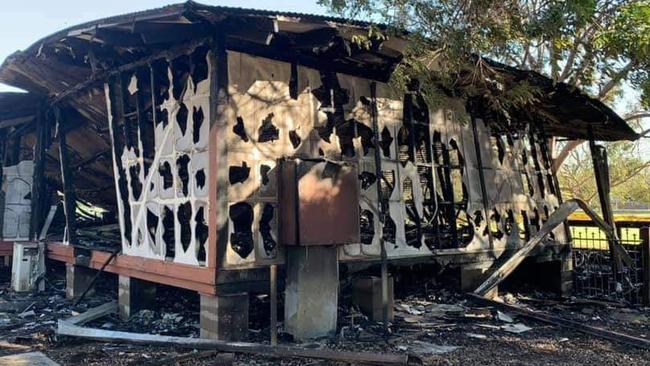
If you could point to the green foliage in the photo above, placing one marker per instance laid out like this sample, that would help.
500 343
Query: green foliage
628 35
594 44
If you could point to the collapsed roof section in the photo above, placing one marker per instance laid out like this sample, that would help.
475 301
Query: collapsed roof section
75 61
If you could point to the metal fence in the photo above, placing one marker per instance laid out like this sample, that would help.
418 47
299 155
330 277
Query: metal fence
593 275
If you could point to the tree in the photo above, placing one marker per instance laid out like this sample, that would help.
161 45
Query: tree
596 45
629 175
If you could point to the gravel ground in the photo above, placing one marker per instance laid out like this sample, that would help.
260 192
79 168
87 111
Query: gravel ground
462 332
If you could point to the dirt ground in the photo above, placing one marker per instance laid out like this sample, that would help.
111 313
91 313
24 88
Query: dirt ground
440 326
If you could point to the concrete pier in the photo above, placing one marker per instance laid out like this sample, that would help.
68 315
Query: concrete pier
311 293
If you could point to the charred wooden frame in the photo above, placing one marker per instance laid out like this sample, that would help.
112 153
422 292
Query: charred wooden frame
69 196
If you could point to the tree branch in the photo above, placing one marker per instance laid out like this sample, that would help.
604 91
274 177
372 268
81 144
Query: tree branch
614 80
564 154
637 115
630 175
644 133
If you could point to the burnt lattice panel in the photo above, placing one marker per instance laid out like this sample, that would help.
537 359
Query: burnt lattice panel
159 124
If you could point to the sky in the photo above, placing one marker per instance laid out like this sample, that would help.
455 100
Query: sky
24 22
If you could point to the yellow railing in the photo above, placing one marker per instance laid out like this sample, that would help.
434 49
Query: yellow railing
591 237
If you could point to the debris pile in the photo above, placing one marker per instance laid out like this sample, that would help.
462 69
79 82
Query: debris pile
439 325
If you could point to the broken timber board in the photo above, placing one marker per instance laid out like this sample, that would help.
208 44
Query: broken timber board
71 330
29 358
556 218
215 358
94 313
14 346
567 323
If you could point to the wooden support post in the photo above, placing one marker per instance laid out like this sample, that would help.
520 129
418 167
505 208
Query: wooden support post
481 176
367 294
224 317
382 216
601 172
274 303
645 260
38 200
113 90
133 295
14 153
217 151
77 281
69 196
3 148
548 157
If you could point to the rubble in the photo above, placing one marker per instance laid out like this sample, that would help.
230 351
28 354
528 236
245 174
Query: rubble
516 328
30 358
504 317
439 331
427 349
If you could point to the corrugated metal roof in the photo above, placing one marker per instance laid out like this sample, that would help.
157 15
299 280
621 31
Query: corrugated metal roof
180 8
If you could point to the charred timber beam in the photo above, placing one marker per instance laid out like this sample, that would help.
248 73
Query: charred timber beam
67 329
3 147
276 53
548 156
219 100
6 123
481 177
180 32
101 77
557 217
13 154
313 61
69 196
566 323
23 129
645 260
115 37
601 173
380 206
144 125
98 156
39 199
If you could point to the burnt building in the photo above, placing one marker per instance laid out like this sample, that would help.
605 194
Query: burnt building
214 143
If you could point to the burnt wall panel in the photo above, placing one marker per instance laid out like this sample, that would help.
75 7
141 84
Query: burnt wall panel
159 126
429 183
